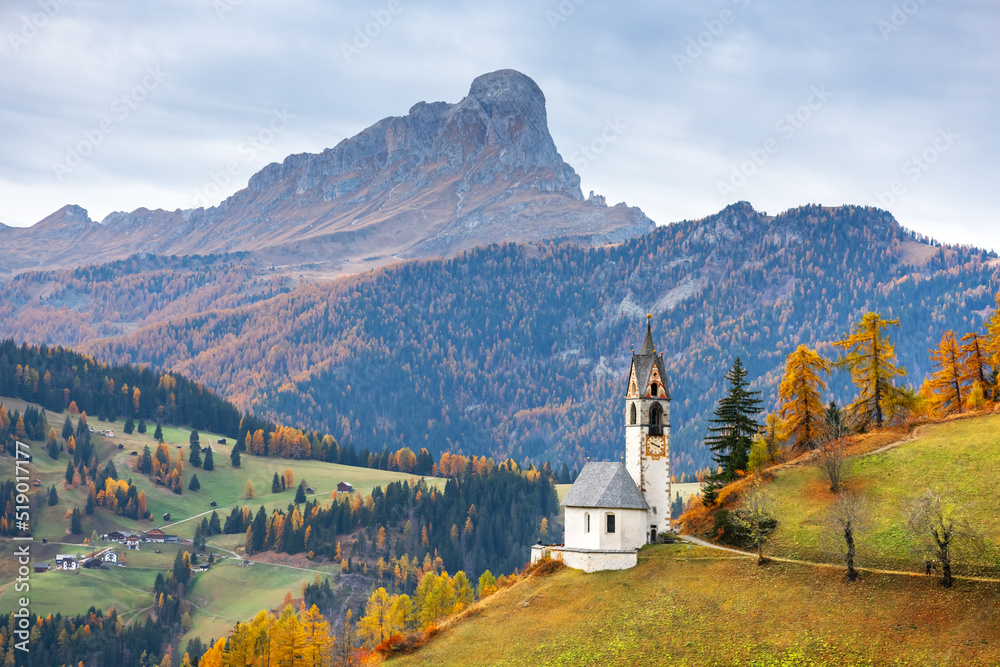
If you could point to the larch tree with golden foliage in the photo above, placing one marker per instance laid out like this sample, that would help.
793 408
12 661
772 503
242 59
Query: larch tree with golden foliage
975 367
799 393
871 359
945 385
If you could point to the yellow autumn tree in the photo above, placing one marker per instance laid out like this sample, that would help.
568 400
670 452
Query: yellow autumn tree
249 492
288 640
319 641
871 359
381 620
975 364
945 384
799 394
991 348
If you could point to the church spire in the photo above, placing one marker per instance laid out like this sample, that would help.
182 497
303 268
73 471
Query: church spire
648 348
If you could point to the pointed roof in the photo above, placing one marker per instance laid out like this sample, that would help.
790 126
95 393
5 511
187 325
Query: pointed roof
647 358
605 484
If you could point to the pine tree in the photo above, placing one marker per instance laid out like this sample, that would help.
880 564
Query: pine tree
141 428
209 463
871 359
194 484
194 457
75 525
275 484
129 425
158 433
945 383
214 525
732 430
300 494
70 470
799 393
67 429
53 496
234 457
89 507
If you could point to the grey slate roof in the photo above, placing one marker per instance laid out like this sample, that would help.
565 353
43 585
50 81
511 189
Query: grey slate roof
605 485
644 361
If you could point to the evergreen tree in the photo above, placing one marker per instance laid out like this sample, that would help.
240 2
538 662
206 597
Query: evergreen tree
146 462
209 463
89 507
53 495
70 469
194 457
275 484
75 525
194 484
732 430
258 532
67 429
158 433
142 425
300 494
214 525
129 425
234 457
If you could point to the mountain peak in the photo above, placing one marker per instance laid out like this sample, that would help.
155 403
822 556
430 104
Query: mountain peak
506 85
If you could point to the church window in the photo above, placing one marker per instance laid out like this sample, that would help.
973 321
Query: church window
655 415
632 414
611 523
654 389
586 522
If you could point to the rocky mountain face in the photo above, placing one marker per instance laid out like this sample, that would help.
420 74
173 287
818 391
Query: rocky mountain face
440 180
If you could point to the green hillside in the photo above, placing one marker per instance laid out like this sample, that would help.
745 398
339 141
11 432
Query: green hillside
220 597
690 605
959 458
696 606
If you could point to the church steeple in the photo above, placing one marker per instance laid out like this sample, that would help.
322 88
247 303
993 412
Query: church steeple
648 347
647 432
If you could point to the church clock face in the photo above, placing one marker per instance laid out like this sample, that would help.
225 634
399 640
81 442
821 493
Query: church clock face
655 445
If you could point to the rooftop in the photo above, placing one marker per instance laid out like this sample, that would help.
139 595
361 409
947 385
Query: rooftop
605 484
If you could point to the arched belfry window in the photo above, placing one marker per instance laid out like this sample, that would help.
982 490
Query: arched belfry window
654 388
632 414
656 415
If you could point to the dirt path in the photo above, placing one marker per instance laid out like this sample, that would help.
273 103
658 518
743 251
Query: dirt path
830 566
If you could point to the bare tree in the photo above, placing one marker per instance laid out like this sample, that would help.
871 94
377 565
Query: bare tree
848 515
942 522
830 457
756 517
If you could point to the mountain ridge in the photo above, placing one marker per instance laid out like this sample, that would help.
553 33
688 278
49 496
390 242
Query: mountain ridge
442 179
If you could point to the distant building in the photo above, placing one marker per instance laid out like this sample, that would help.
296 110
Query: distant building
166 517
66 562
93 563
116 536
345 487
170 539
40 567
110 556
155 535
132 541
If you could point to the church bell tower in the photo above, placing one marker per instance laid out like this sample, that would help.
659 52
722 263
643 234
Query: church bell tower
647 433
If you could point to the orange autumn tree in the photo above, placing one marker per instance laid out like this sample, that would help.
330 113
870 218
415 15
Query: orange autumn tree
802 406
947 391
991 347
871 359
975 369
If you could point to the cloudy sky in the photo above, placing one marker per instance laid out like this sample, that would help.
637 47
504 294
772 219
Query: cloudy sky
677 107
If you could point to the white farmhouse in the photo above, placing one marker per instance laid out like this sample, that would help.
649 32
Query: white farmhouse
614 508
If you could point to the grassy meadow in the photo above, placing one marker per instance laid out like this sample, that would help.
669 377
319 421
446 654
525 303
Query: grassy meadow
696 606
220 597
960 457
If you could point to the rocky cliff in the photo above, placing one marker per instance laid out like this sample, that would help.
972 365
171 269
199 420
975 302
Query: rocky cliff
440 180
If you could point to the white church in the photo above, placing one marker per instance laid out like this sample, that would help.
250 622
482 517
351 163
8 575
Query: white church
614 508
